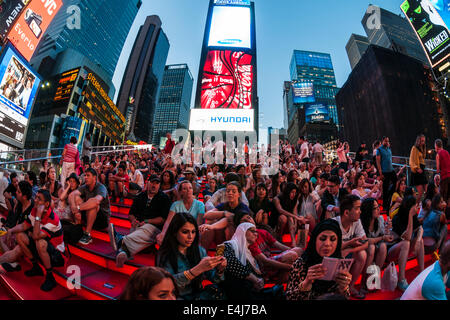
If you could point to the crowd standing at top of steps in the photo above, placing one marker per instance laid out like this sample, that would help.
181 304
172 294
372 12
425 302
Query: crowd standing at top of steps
242 214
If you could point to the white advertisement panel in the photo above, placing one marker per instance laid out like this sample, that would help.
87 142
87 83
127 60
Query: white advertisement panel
222 120
230 27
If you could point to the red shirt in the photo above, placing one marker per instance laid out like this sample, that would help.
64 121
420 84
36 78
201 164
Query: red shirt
127 177
444 164
263 244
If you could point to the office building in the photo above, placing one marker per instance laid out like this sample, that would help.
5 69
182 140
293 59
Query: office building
390 94
174 102
138 95
356 47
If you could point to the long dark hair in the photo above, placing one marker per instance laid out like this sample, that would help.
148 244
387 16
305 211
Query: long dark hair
403 213
168 252
143 280
301 196
286 203
171 178
366 214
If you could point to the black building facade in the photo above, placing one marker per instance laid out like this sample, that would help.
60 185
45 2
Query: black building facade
390 94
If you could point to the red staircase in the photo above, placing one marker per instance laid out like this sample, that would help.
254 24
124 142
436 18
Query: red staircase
102 280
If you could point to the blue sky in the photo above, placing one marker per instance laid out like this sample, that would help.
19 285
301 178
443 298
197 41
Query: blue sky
281 27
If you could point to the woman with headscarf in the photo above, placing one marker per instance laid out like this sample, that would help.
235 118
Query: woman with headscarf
304 280
243 278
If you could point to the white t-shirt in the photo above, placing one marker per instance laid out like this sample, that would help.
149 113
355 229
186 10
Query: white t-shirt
356 230
303 175
317 148
304 150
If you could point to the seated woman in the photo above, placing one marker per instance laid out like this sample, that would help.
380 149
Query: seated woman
219 221
434 225
210 188
304 279
261 206
407 233
361 192
64 212
278 184
272 267
150 283
397 198
136 176
168 185
374 227
285 212
243 278
181 255
53 185
307 203
315 175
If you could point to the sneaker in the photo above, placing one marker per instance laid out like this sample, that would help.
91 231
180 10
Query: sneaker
402 285
112 237
121 258
85 239
49 283
34 271
11 267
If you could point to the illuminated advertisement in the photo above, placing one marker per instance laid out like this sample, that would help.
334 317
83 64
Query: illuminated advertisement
430 29
317 113
227 80
443 8
9 12
232 2
18 87
222 119
72 127
303 92
230 27
32 24
66 84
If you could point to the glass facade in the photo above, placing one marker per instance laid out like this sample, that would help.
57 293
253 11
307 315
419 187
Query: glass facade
356 47
316 67
174 101
104 28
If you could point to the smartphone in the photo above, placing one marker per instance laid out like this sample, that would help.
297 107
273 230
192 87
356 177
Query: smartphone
363 241
220 250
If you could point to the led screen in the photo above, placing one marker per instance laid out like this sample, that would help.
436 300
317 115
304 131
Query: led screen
18 88
9 12
443 8
303 92
430 29
317 113
230 27
227 80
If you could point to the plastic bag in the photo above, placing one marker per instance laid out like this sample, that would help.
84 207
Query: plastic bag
390 278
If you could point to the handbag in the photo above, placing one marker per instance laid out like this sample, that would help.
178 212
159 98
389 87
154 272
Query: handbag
390 278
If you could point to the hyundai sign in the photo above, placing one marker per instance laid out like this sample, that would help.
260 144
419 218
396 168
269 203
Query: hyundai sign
221 120
230 27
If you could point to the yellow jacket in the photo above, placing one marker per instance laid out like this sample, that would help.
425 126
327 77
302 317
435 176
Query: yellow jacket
416 158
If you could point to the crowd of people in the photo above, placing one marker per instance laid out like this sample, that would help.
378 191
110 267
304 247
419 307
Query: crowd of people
258 225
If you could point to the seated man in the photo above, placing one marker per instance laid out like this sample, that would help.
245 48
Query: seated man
147 216
430 283
354 240
331 198
90 204
40 237
273 266
10 191
118 181
220 195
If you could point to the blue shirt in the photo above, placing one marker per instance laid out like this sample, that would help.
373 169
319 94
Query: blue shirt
197 208
386 159
432 225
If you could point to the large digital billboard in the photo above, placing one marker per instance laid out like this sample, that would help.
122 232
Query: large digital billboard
32 24
430 29
18 87
227 80
303 92
443 8
66 84
317 113
230 27
9 12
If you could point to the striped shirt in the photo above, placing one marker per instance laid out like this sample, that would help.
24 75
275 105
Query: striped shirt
71 153
50 225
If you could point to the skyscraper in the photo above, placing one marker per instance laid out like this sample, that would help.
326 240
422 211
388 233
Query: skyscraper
174 101
138 95
356 47
316 68
394 33
104 27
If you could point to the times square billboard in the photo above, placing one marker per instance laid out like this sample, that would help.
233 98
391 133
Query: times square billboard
430 27
317 113
226 96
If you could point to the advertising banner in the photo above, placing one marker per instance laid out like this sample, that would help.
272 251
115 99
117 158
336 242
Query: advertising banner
32 24
18 87
443 8
72 127
232 2
317 113
9 12
303 92
430 29
230 27
66 84
222 120
227 80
